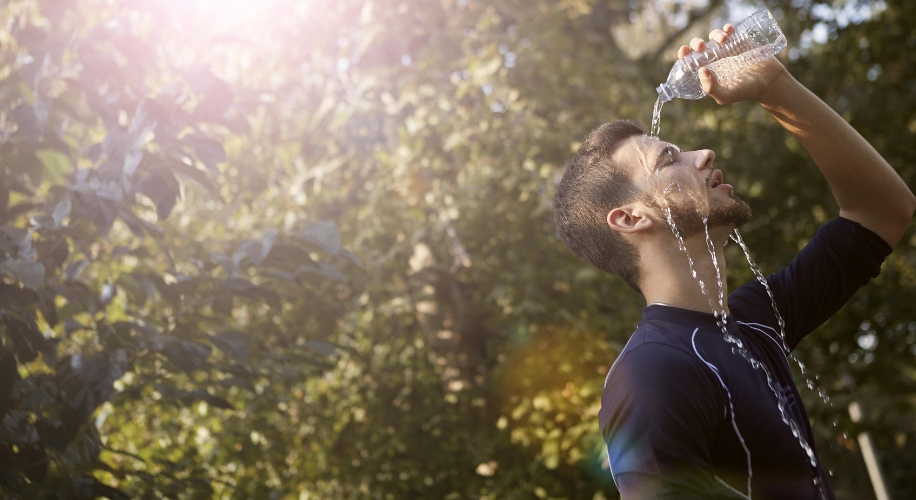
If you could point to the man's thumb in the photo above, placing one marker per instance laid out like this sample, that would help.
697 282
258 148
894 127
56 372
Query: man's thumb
708 80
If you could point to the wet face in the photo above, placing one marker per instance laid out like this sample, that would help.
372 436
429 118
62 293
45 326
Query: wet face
687 183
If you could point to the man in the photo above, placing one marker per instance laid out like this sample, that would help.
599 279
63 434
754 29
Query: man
685 413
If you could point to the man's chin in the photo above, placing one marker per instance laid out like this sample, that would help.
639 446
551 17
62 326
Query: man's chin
689 221
733 214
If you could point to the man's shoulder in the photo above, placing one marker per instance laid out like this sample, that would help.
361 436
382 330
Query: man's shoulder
653 353
655 376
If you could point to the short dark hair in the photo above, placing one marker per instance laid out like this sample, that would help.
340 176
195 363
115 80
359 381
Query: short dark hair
591 187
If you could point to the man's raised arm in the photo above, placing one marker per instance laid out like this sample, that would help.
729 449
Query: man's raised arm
865 186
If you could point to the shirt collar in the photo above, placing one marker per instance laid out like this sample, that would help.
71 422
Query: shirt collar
687 317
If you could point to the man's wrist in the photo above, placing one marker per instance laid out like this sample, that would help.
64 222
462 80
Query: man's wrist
777 90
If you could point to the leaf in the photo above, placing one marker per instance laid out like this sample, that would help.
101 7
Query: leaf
131 161
117 143
352 258
326 270
29 272
212 400
208 150
187 356
223 260
237 285
101 211
28 163
123 326
320 347
30 71
324 234
215 100
22 238
28 121
47 306
103 490
27 338
286 275
79 297
18 296
267 242
137 225
94 152
257 250
139 288
144 117
236 344
61 211
194 173
244 383
270 296
9 375
291 255
161 188
74 269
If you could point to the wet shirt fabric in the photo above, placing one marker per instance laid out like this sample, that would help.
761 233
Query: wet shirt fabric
666 411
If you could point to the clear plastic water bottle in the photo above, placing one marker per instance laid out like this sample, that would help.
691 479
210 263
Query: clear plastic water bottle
755 39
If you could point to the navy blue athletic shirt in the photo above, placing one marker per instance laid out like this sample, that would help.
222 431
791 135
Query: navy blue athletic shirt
665 413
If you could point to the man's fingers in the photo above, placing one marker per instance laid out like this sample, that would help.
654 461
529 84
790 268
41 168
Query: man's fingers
718 36
699 45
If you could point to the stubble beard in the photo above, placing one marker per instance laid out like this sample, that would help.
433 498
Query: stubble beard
688 218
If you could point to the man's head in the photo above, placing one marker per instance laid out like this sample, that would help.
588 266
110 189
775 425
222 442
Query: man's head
620 184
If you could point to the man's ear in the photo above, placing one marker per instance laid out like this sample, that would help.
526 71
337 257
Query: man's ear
632 218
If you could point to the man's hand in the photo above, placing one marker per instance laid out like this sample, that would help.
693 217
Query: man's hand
752 84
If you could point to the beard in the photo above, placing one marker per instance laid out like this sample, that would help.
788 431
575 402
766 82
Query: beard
689 219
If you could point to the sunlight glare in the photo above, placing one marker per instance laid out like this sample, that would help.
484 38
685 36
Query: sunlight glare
229 11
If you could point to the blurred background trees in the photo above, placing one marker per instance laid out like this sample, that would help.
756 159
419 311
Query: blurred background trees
304 249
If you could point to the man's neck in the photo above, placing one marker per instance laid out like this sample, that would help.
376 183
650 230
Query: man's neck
668 278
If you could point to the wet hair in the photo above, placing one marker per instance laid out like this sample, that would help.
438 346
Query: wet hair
591 187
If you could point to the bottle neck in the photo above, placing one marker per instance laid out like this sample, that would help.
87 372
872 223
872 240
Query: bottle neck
665 93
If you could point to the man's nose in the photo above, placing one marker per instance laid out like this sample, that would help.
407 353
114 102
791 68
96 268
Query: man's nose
705 157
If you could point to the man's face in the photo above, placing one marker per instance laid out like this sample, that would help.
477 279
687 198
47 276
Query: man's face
684 182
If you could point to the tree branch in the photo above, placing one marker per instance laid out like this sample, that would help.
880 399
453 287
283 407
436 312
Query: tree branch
692 17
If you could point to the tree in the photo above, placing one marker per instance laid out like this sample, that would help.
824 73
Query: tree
181 318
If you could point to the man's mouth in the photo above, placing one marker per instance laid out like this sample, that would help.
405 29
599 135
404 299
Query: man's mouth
714 178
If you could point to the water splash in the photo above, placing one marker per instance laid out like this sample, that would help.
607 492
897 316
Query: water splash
809 383
736 237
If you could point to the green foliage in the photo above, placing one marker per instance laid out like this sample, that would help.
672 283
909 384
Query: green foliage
310 253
